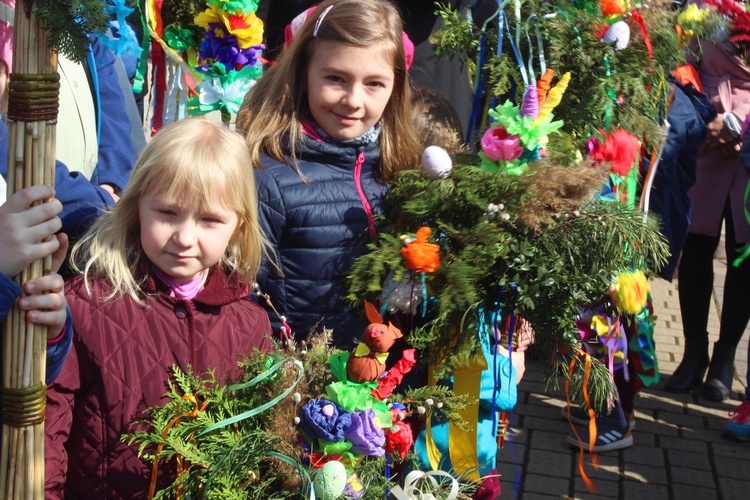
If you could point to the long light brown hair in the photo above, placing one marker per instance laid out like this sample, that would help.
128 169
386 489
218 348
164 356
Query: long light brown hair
274 109
201 165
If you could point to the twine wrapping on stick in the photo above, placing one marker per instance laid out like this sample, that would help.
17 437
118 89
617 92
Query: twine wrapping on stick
32 115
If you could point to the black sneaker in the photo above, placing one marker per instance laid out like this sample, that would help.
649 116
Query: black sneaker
611 435
581 417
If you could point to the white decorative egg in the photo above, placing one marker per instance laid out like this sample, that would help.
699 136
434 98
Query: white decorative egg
330 481
436 162
619 34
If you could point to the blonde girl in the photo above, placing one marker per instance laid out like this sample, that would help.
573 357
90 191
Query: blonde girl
164 281
329 127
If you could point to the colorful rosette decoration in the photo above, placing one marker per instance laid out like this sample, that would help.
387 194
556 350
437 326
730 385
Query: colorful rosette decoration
518 134
229 56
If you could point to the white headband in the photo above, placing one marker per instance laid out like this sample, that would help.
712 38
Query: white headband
320 20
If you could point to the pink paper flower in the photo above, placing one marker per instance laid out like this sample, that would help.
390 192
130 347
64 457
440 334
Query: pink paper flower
498 144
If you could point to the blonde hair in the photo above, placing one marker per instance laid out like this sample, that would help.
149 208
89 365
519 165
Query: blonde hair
274 109
198 163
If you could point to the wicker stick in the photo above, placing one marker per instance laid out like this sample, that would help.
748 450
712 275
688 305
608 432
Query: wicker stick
33 116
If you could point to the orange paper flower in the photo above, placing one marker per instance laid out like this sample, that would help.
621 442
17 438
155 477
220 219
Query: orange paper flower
421 255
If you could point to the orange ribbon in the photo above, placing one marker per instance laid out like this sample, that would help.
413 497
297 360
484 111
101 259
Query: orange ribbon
592 420
176 420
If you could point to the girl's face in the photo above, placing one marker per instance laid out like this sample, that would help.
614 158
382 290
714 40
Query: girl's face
348 87
181 241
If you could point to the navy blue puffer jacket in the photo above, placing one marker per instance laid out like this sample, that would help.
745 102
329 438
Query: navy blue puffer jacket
317 228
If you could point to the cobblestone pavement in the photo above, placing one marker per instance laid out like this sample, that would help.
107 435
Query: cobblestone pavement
678 451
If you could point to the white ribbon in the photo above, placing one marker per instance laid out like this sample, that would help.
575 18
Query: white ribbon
411 490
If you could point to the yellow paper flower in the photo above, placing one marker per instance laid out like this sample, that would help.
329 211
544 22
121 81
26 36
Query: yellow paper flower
247 28
692 14
630 292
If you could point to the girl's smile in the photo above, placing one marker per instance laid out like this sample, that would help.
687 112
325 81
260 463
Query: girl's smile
348 87
182 241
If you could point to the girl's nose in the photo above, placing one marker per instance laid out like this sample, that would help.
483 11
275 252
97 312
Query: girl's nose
185 234
353 97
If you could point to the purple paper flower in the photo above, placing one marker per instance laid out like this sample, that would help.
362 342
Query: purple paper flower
324 419
365 436
223 48
497 144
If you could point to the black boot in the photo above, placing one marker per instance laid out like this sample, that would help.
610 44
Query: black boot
718 384
692 367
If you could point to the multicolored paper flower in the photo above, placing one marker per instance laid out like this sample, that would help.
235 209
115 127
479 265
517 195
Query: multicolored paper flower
498 144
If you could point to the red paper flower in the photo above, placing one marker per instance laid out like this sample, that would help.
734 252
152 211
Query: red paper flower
388 382
399 439
620 149
498 144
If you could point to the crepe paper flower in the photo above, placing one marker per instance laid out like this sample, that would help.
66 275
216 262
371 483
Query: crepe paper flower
235 5
613 7
354 488
620 149
219 46
497 144
420 255
554 96
365 435
530 102
543 85
180 39
399 439
528 130
356 397
390 379
223 91
324 419
247 28
691 18
630 292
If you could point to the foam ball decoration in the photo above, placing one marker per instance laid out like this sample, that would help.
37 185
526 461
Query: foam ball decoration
330 481
436 162
619 34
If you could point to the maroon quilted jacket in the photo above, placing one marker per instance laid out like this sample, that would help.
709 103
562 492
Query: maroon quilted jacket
121 359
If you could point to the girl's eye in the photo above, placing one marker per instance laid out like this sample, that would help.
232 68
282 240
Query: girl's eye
166 211
335 79
212 220
376 84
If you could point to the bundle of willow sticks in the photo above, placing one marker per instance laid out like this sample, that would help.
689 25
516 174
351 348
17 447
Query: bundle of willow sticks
32 117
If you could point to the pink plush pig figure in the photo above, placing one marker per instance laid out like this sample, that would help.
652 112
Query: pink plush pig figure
368 361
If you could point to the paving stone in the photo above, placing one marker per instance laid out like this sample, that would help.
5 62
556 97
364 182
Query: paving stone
681 420
695 477
644 454
737 468
538 496
550 441
549 463
682 458
733 489
636 490
681 491
516 454
547 424
658 428
604 489
548 485
644 473
678 443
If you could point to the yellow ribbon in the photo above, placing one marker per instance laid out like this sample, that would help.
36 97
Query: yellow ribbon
364 351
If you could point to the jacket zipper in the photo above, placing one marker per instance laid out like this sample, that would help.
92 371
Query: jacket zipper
361 193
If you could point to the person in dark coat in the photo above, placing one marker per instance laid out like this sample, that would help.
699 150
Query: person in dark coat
164 281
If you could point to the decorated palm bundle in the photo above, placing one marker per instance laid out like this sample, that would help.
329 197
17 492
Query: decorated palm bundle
296 421
206 56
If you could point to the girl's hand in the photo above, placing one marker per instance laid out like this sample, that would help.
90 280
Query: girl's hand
25 227
48 306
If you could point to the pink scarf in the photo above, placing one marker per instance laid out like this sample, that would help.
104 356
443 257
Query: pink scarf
186 291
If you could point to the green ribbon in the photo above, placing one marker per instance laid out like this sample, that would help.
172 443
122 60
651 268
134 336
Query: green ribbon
232 6
222 90
263 376
745 250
